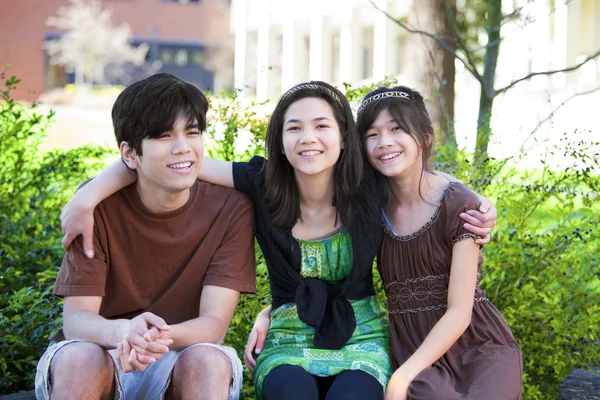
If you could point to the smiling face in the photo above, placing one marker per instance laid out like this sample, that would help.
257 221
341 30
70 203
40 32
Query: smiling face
170 162
390 149
311 137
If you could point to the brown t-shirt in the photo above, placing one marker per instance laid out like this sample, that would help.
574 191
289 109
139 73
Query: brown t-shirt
160 262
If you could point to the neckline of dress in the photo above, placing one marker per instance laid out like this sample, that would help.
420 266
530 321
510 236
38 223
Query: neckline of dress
389 229
323 238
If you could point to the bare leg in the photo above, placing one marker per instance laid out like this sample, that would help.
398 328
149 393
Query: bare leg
201 372
82 371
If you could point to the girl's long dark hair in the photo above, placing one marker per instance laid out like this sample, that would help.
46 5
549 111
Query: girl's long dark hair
282 191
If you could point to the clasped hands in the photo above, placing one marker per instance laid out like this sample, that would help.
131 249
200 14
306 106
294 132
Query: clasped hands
146 340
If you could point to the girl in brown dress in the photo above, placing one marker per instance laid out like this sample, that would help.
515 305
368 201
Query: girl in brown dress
447 339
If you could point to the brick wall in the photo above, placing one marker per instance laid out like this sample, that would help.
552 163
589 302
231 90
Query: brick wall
23 28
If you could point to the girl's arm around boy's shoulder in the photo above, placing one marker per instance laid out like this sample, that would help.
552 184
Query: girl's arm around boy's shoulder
77 215
217 172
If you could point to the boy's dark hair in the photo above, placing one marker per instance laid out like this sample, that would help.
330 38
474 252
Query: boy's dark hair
280 182
407 108
150 107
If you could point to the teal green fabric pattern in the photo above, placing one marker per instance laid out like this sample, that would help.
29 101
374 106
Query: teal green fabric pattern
290 341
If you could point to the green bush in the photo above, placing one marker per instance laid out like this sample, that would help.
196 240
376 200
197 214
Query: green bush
541 270
33 188
230 121
544 267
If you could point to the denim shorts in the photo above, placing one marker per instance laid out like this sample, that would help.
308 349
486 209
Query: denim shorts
148 385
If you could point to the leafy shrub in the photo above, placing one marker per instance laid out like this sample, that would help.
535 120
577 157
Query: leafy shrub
33 189
542 268
231 120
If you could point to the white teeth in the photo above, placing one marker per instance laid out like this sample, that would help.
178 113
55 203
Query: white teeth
180 165
311 153
389 156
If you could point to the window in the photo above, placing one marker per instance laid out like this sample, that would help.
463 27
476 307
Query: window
166 56
197 58
181 57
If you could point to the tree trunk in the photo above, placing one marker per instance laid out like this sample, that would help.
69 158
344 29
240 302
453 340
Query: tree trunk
483 128
430 68
488 94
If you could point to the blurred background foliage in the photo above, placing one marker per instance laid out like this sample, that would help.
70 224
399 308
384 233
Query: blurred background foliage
541 269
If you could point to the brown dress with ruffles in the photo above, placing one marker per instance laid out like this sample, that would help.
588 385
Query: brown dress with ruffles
485 362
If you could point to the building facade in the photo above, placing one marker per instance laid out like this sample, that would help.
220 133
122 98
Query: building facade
279 43
190 38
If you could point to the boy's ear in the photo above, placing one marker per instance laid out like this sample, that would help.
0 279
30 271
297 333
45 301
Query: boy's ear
128 155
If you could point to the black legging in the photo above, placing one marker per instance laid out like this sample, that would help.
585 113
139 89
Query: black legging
290 382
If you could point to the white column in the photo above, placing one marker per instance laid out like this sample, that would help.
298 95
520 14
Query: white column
380 42
288 64
262 58
540 44
559 56
315 71
349 47
239 28
326 50
302 56
573 38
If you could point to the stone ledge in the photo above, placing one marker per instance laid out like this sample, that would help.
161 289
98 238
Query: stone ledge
20 396
581 385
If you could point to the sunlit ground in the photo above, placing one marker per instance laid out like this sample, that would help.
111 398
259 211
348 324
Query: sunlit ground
75 126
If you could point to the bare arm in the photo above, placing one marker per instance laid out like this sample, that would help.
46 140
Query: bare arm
461 292
217 305
77 215
217 172
82 321
256 339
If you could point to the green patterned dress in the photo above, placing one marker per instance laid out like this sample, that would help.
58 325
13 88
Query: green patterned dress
290 341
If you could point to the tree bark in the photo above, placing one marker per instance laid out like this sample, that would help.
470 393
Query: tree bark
488 93
430 68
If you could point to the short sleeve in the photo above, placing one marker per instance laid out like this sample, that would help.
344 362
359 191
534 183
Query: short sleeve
248 178
79 275
457 200
233 264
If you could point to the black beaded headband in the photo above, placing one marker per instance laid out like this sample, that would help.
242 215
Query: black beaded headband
311 86
384 95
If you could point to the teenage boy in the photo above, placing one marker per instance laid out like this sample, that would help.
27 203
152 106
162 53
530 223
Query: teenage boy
146 315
